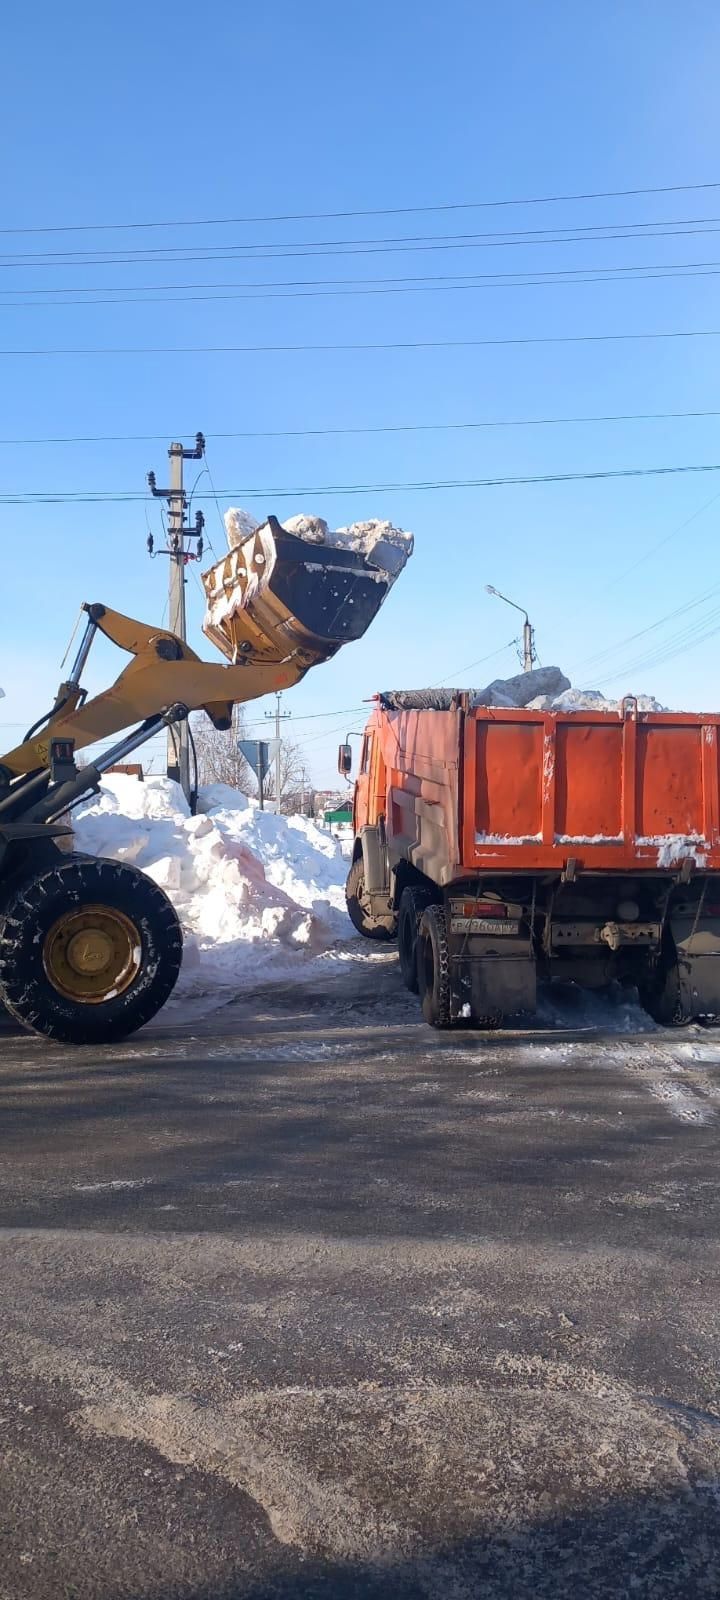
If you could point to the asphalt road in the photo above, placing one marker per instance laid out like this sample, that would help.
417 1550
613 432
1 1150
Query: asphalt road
301 1299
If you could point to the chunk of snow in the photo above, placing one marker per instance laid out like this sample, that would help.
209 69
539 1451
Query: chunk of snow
239 525
520 690
256 893
589 700
388 546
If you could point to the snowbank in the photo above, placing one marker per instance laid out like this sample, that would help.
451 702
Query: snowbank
256 893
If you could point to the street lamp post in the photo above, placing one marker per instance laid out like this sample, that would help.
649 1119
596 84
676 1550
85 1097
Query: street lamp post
528 630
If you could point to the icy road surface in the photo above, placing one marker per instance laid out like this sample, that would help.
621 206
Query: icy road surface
304 1300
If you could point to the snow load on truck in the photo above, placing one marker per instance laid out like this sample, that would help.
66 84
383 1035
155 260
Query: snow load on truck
543 689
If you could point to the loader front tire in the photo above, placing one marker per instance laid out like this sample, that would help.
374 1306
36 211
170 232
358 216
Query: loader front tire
89 951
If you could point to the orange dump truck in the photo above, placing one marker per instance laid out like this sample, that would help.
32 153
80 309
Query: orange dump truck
505 845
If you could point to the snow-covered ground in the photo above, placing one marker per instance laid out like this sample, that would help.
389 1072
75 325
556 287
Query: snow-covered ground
258 895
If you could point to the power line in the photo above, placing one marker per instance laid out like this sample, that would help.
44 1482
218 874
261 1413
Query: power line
338 727
457 672
390 245
421 278
398 427
384 211
611 650
236 253
686 639
313 716
167 251
215 498
660 543
530 281
131 496
395 344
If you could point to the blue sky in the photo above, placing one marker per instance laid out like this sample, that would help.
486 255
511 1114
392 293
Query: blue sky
131 114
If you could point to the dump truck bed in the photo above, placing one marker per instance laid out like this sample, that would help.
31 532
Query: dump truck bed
499 790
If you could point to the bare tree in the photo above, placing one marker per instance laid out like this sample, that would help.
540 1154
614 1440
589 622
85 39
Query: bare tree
220 761
218 757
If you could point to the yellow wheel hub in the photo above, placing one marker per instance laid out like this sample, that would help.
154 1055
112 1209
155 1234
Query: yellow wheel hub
92 954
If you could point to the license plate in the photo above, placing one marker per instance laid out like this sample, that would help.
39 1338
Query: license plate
490 925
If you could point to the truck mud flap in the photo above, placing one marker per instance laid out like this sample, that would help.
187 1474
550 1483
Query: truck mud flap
484 989
687 985
375 861
697 947
493 971
699 986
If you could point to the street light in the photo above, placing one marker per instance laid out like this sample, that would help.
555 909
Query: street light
528 630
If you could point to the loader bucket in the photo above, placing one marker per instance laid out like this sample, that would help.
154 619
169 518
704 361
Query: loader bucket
335 593
279 591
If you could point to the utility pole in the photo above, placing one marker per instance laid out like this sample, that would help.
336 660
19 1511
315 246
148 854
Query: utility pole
528 649
280 716
178 745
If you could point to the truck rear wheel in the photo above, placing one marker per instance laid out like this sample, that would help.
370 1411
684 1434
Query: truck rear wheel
433 967
359 910
661 998
413 902
89 951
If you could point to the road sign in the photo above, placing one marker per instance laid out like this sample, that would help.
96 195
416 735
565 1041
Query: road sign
258 753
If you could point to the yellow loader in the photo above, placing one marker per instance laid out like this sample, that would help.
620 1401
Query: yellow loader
90 949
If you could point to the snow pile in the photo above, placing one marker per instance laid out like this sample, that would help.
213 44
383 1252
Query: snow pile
589 700
255 892
523 689
387 546
518 691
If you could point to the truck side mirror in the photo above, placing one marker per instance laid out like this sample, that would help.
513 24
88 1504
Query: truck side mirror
345 759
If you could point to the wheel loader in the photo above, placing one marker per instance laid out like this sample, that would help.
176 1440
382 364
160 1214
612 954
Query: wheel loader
90 949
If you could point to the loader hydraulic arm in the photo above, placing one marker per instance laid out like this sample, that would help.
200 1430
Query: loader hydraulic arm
276 606
163 672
